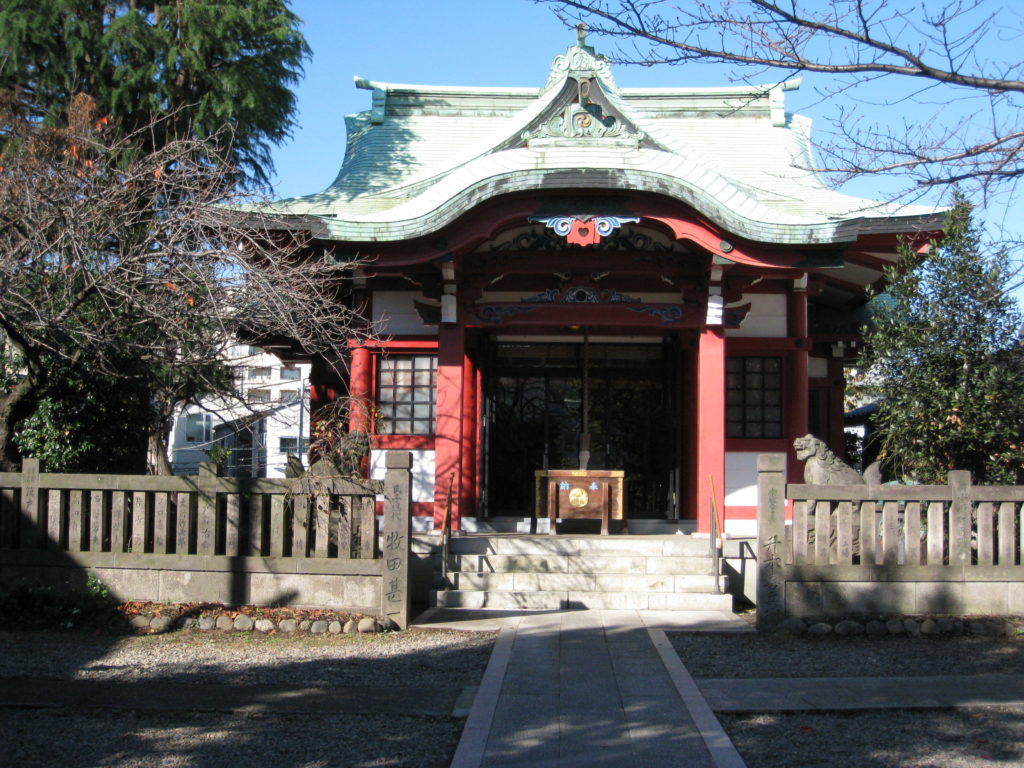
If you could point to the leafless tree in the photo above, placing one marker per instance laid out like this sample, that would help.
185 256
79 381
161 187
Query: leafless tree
956 119
108 255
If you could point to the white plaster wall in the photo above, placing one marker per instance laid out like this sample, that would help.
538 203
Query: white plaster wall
741 478
766 319
817 367
422 472
395 314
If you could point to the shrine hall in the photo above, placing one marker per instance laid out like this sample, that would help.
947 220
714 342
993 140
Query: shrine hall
648 284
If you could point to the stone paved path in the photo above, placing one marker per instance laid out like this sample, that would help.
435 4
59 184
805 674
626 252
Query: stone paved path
590 688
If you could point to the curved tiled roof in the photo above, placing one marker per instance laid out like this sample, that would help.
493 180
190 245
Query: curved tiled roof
423 155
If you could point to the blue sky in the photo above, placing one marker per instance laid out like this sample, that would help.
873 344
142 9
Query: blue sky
444 42
502 43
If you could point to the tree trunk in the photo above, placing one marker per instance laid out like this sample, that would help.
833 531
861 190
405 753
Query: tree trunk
158 462
159 432
13 407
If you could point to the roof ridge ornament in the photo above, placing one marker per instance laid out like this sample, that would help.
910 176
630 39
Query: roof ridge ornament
580 62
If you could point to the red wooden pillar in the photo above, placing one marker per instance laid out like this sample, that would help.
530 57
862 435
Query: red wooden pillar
451 352
710 424
467 490
360 389
797 389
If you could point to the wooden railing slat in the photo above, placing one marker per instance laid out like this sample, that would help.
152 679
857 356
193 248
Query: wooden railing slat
277 526
868 533
936 533
986 543
76 523
255 515
139 522
890 533
912 533
118 524
322 525
1007 533
300 525
822 532
800 526
233 525
161 523
97 520
367 526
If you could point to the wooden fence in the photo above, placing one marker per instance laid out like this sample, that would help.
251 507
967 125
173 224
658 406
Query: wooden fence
901 549
310 540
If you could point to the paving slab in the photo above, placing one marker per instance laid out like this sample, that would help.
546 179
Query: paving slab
862 693
492 620
583 688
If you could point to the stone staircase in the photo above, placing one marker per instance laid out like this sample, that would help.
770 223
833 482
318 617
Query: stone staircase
510 571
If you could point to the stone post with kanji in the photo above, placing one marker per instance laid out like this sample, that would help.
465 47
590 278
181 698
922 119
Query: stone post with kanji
397 533
771 537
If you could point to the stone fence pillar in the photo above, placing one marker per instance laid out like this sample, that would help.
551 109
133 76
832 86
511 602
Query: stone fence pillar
397 534
771 538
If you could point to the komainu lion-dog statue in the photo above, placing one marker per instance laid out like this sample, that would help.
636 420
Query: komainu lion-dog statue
822 467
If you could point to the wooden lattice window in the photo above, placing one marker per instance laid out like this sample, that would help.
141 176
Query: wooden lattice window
405 394
753 397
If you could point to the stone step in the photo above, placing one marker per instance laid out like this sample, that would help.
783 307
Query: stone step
585 582
584 563
562 600
635 546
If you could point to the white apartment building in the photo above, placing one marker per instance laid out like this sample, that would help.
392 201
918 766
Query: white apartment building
267 423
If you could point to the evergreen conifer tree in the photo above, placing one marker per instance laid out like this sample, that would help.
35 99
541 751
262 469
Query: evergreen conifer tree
944 357
179 68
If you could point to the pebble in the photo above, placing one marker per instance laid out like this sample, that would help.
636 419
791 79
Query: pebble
287 625
264 625
207 622
821 628
140 622
334 628
876 628
848 627
224 623
350 627
930 627
161 623
318 627
895 627
243 623
912 627
366 625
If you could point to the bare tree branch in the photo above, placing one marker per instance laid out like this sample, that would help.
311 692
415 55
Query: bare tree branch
948 46
109 255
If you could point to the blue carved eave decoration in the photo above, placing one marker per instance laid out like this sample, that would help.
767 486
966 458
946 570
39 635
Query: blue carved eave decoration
584 230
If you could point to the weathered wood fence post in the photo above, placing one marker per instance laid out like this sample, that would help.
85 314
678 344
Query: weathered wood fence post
397 533
33 514
771 540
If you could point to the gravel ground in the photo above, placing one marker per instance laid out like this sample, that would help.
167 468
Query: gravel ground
991 737
428 658
744 656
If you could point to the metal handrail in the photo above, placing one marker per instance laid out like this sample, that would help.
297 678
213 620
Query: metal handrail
715 538
446 535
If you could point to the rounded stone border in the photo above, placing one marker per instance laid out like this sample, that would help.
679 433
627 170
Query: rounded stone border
152 618
910 626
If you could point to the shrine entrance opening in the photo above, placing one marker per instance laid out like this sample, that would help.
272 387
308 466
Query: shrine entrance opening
533 417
